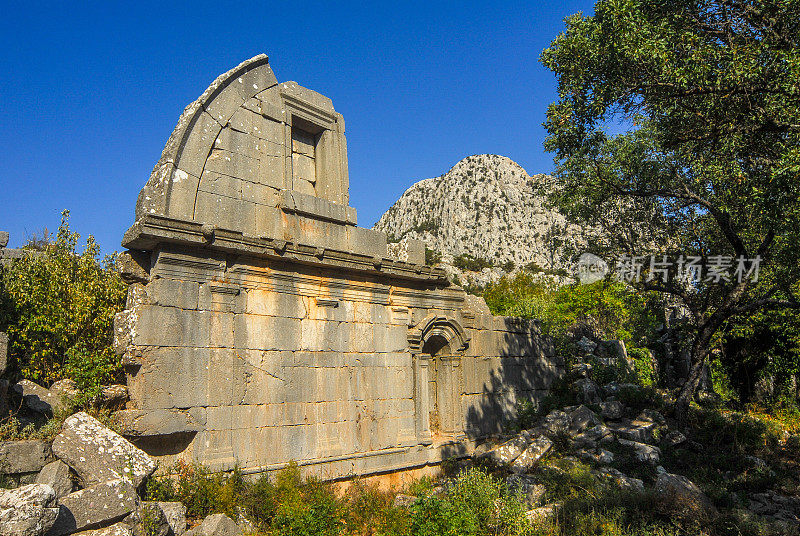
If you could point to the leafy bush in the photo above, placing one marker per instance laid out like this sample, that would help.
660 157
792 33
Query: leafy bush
57 306
475 504
432 257
467 262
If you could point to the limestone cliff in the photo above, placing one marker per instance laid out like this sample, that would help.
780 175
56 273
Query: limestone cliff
488 207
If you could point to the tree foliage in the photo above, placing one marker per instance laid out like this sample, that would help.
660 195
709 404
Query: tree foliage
58 307
677 130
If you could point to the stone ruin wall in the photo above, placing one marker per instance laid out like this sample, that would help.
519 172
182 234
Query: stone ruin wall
264 326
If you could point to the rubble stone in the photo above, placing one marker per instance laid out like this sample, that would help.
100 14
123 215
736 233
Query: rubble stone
56 475
94 507
216 525
24 456
98 454
27 511
528 459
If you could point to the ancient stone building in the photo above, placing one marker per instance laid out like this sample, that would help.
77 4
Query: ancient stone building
264 326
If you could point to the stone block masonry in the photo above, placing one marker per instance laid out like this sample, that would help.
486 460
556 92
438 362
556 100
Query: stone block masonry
263 326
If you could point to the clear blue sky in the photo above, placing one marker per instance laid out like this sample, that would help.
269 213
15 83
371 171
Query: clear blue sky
93 90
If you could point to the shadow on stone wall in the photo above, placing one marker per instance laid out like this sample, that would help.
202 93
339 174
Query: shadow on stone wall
525 370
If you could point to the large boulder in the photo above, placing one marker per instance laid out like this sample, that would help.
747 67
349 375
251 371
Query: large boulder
98 454
681 496
26 456
216 525
612 410
56 475
95 507
27 511
528 459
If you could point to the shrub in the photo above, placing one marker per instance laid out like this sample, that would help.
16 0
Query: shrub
57 306
467 262
432 257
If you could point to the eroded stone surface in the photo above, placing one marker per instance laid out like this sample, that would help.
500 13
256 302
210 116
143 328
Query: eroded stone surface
27 511
25 456
93 507
175 512
98 454
56 475
529 457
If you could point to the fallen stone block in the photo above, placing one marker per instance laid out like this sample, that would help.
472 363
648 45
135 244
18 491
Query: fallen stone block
532 492
149 520
98 454
94 507
541 514
507 452
35 397
175 512
117 529
56 475
612 410
556 422
528 459
581 419
642 451
3 353
674 438
680 495
25 456
588 392
620 479
113 396
27 511
216 525
640 431
62 393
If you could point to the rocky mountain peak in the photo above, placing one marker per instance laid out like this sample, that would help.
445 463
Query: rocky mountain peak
486 214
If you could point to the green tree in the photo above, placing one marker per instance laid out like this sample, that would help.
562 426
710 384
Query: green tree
677 130
58 308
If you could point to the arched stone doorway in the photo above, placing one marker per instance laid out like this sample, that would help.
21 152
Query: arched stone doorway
438 344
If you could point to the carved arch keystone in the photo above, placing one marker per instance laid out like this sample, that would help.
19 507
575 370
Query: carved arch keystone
444 326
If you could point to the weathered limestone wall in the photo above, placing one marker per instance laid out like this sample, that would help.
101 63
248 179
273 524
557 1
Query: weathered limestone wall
263 326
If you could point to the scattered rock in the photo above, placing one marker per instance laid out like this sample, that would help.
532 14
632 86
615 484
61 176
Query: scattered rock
117 529
404 501
598 455
620 479
588 391
531 491
56 475
582 418
776 506
113 396
640 431
34 397
674 438
98 454
528 459
62 393
94 507
556 422
175 512
543 513
148 520
27 511
612 410
590 437
508 451
651 415
680 495
25 456
586 345
581 370
216 525
643 452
